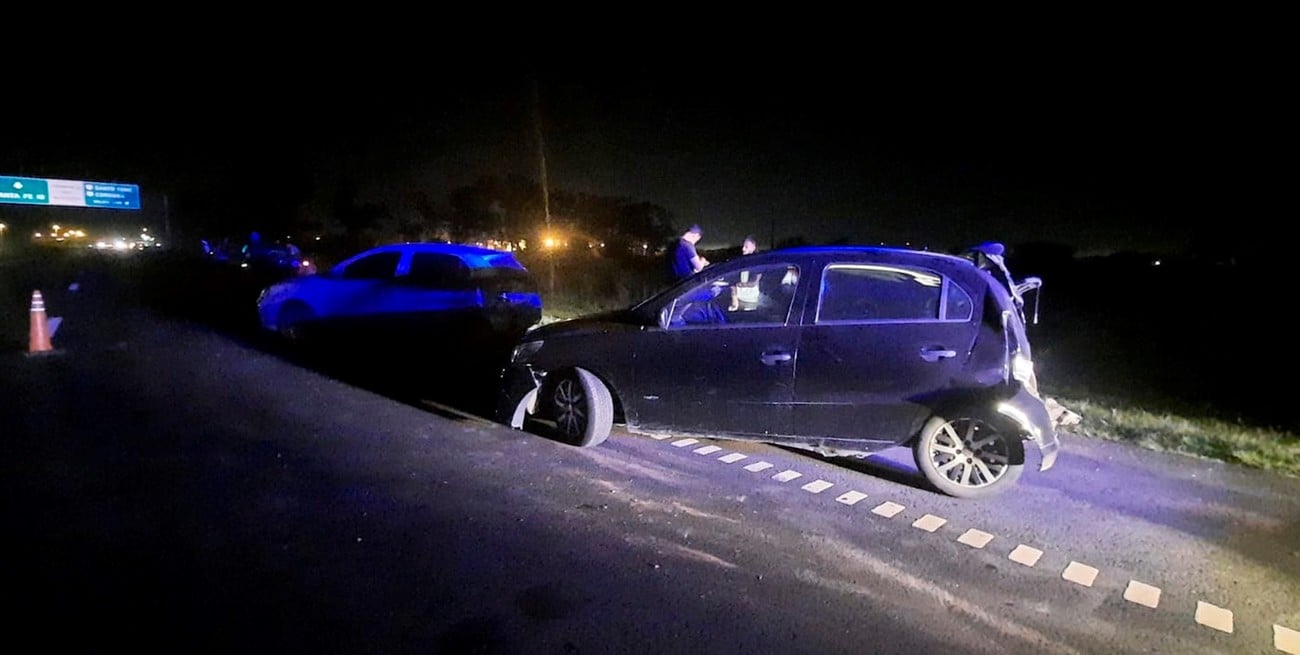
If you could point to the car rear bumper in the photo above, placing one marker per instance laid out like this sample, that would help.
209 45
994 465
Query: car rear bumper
1030 413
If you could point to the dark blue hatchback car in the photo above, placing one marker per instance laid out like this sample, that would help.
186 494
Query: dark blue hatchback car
839 350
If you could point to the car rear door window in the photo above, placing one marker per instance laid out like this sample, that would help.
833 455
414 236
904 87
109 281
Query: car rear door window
438 271
957 304
876 292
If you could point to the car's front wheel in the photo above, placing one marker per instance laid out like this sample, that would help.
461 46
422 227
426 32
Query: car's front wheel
293 320
582 408
968 457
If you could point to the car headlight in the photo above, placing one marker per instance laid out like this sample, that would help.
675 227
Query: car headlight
524 351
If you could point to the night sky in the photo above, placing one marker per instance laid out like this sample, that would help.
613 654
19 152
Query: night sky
1163 154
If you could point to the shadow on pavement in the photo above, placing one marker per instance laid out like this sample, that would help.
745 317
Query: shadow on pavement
450 370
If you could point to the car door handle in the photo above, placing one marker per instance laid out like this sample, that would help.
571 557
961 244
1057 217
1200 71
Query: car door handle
775 357
936 354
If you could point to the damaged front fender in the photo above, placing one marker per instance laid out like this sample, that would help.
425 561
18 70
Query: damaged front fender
517 399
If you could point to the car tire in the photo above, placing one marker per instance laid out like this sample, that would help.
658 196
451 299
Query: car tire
292 322
582 408
944 455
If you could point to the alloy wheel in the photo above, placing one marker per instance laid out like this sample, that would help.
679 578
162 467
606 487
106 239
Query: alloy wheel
570 407
969 453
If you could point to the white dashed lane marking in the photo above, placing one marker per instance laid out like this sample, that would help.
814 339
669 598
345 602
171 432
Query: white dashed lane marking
787 475
851 497
887 509
817 486
660 437
1285 640
1080 574
975 538
1142 594
1213 616
1025 555
929 523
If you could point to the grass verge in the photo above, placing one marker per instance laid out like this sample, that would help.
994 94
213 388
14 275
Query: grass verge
1208 438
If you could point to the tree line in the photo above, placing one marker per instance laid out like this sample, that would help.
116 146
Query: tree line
510 209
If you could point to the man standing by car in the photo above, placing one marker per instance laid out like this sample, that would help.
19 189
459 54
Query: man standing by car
748 246
686 261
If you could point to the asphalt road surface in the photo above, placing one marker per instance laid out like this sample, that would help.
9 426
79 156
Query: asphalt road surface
173 485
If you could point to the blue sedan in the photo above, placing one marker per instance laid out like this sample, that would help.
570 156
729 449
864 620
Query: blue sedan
421 291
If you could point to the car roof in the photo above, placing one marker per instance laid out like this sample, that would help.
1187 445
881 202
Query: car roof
867 250
858 252
475 256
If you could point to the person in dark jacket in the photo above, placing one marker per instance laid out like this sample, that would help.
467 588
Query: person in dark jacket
686 261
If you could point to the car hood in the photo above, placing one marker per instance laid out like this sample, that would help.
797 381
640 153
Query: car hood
599 322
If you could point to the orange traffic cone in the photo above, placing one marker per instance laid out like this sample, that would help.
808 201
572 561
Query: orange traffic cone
39 341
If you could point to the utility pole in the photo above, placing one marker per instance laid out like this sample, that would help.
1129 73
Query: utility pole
546 191
541 152
167 222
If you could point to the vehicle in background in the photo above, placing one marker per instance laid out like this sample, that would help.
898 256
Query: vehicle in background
408 295
278 261
840 350
267 262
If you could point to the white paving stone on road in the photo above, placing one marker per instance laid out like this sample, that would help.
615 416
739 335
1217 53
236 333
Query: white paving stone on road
1142 594
1080 574
1026 555
817 486
888 509
975 538
929 523
1286 640
787 475
1213 616
851 497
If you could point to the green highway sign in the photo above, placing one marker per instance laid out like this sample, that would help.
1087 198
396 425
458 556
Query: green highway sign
68 193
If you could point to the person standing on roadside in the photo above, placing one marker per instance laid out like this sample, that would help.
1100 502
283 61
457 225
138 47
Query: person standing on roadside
744 294
748 246
686 261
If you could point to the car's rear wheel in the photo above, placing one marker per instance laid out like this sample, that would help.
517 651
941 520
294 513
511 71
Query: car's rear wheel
582 408
968 457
